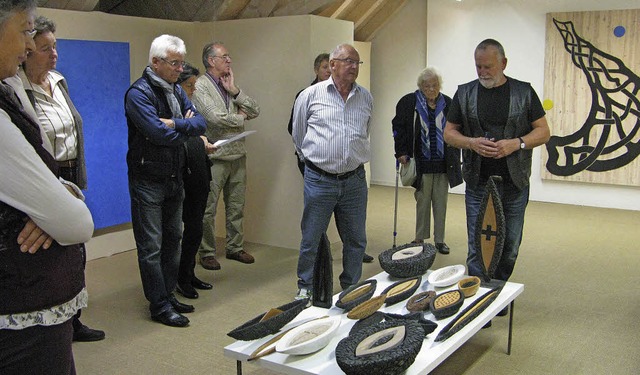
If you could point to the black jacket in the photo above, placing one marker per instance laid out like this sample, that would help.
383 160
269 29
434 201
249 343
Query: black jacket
407 140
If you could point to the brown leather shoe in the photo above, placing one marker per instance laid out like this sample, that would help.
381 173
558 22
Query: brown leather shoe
210 263
242 257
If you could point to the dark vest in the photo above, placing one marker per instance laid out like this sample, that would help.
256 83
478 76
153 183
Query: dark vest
32 282
146 159
518 124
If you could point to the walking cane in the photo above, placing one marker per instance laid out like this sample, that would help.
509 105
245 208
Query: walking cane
395 209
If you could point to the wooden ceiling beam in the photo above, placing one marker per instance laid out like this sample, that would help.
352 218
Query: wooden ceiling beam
82 5
344 9
368 30
369 13
231 9
259 9
300 7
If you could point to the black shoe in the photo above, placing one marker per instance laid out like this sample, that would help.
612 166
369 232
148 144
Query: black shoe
367 258
180 307
187 291
488 325
86 334
504 311
199 284
171 318
442 248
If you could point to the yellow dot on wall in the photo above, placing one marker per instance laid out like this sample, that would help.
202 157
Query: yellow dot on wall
547 104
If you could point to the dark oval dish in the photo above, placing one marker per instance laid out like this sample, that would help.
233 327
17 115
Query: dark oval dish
350 297
378 317
391 361
408 267
448 308
401 296
421 301
255 329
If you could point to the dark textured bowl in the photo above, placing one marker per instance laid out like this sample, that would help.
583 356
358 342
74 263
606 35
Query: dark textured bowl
377 317
255 329
421 301
446 304
402 295
391 361
350 298
408 267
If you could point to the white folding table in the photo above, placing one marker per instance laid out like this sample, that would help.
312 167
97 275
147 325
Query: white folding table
430 356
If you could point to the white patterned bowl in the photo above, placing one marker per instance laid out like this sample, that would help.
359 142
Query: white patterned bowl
446 276
309 337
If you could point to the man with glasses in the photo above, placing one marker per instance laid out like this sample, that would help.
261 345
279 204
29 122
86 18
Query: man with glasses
331 135
160 118
226 109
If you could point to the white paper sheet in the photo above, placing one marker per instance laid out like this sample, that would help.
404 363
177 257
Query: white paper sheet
222 142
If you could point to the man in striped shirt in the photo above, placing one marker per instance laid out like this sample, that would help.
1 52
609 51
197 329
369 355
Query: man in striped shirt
331 122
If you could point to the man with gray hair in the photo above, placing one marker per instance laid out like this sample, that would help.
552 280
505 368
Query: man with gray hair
160 118
331 122
226 109
497 121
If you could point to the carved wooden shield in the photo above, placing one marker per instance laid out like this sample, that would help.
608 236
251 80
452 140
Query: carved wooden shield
490 229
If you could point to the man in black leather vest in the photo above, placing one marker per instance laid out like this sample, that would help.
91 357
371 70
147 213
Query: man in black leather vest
497 121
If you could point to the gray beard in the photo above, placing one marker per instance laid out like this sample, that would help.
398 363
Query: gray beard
488 83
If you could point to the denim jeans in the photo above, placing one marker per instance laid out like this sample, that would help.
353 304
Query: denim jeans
514 204
347 200
156 215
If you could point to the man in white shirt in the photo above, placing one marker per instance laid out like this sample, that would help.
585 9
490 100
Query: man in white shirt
331 134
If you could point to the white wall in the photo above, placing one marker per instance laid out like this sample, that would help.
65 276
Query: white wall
272 61
398 54
453 30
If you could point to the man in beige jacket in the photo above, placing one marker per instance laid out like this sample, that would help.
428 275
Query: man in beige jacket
226 109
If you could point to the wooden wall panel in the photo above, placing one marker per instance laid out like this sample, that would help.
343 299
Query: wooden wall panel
592 63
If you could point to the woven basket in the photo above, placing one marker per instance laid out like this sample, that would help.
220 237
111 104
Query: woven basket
401 290
469 286
421 301
255 329
356 294
408 267
388 362
446 304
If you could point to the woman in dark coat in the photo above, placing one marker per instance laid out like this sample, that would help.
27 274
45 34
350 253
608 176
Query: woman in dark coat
196 190
418 133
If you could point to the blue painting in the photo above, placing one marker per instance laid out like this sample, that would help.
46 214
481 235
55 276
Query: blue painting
98 77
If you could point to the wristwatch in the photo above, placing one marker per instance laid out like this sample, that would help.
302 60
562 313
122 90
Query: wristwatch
522 145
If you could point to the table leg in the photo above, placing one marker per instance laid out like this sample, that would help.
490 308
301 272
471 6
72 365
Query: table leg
510 327
239 367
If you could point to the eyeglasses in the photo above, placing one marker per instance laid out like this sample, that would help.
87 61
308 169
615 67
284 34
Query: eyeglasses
224 57
174 63
351 62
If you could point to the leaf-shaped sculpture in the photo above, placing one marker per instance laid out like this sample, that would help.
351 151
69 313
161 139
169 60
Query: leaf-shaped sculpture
367 308
490 229
323 275
617 122
356 294
401 290
468 314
